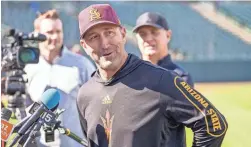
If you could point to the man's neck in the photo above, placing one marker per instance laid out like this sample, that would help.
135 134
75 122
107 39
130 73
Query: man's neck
51 56
107 74
155 58
152 59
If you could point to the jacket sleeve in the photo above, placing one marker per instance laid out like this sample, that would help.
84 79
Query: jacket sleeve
188 78
184 105
185 76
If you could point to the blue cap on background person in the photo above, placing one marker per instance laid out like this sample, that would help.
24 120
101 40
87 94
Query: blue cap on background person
151 19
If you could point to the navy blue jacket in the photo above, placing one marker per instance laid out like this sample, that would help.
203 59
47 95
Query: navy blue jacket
167 63
132 108
175 135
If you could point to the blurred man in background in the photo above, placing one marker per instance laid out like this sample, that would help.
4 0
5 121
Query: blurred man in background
60 68
153 36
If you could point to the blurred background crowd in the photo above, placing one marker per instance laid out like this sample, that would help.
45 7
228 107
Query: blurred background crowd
203 32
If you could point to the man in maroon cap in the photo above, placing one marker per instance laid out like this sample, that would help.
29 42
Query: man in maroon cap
128 101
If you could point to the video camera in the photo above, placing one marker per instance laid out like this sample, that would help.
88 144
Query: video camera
15 55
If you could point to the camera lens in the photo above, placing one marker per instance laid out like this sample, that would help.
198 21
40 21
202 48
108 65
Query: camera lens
27 55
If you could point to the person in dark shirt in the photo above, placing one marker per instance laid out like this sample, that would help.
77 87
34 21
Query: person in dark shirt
128 101
153 36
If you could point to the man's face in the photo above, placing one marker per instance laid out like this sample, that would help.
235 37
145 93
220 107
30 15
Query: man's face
104 43
53 29
152 41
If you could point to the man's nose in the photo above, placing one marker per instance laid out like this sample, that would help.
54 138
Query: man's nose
54 36
104 42
148 38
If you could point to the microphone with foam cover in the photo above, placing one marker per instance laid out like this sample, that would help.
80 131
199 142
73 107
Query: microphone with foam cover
49 100
5 114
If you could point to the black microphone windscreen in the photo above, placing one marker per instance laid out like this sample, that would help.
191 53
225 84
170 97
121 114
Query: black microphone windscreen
5 114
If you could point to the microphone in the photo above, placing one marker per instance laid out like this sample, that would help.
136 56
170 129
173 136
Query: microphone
6 114
33 133
24 36
20 124
23 139
49 100
6 127
33 36
73 136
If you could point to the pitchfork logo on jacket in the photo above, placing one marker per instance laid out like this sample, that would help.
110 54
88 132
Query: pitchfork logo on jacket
107 122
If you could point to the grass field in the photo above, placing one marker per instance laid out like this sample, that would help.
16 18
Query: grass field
234 101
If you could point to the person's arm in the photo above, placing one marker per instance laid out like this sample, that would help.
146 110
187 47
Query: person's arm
188 79
185 76
185 105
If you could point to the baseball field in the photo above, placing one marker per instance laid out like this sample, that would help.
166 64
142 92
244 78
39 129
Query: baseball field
234 101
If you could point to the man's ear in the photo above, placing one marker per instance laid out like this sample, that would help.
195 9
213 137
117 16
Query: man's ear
169 34
123 33
82 43
84 46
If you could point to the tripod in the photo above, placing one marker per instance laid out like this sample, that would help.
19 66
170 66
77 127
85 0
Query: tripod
16 104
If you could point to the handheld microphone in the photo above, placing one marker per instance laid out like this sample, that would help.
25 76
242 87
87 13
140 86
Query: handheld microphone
33 36
50 99
5 114
6 127
30 36
33 132
73 136
20 124
25 136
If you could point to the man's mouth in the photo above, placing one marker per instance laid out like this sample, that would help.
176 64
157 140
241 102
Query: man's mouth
150 46
107 54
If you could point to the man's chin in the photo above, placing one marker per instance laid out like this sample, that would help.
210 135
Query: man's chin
106 64
150 52
53 47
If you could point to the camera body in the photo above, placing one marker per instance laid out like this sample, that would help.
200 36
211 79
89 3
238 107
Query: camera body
15 55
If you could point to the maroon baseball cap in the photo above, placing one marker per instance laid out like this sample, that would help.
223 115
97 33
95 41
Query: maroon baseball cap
96 14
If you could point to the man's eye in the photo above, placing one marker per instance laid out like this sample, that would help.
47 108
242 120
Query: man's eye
93 37
49 32
110 33
155 32
142 34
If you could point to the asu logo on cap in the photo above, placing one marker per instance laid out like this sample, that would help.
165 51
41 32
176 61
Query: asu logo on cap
94 14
